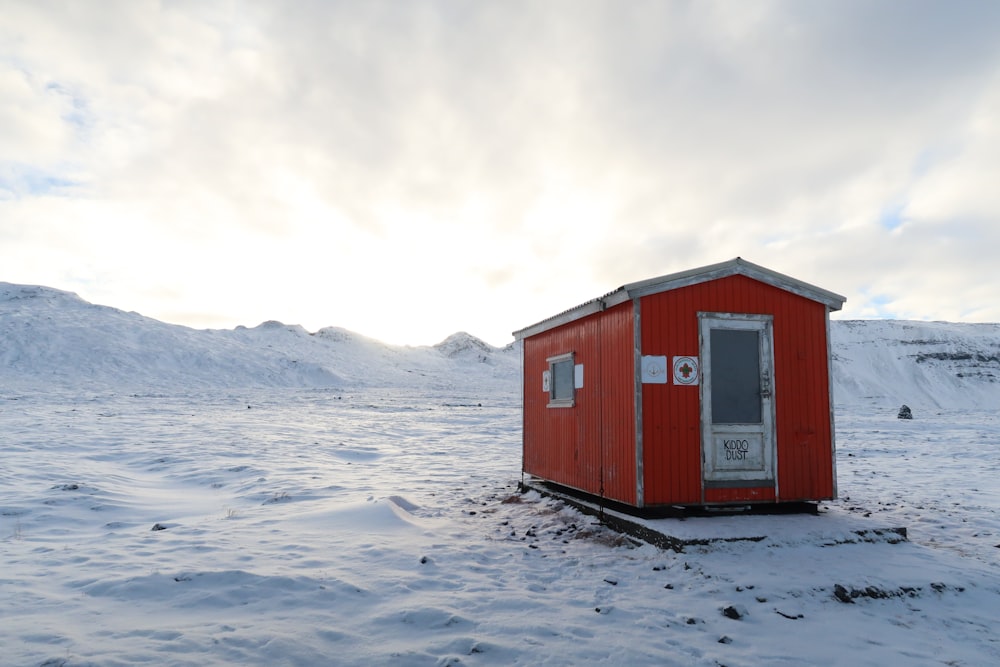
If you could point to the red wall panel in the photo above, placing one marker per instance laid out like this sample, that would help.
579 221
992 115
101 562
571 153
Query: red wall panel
741 495
671 413
590 446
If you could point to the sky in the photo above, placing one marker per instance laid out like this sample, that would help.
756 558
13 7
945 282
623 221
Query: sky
407 170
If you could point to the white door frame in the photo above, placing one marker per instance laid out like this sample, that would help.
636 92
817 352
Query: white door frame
738 455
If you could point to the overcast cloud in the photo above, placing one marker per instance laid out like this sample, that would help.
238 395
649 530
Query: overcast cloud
409 169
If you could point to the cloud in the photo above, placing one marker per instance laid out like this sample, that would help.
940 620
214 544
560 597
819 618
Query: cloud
32 130
358 163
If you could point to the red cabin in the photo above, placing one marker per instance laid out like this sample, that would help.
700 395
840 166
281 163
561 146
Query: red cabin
705 387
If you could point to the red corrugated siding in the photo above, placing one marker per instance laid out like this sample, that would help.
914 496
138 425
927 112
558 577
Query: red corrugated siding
805 438
727 496
671 415
617 400
594 441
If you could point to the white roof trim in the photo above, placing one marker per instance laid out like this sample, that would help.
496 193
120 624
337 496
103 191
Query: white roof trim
737 266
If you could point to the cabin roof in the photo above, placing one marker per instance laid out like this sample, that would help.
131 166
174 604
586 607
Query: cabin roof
734 267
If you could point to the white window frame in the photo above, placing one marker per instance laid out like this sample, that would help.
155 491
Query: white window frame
554 384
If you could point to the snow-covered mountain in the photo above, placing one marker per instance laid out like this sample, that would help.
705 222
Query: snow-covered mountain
926 365
51 338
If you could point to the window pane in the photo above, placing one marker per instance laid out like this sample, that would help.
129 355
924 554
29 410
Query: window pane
562 380
735 376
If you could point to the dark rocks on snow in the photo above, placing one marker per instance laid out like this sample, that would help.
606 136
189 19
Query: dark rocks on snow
734 612
876 593
842 594
905 412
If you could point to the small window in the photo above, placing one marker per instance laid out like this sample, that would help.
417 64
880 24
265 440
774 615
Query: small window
562 384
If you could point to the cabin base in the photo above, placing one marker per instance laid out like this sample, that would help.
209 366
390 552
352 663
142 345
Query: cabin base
669 528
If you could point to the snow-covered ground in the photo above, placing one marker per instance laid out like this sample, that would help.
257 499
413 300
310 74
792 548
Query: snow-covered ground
268 496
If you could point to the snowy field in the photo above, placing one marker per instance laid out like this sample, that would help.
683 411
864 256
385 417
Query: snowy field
356 504
308 527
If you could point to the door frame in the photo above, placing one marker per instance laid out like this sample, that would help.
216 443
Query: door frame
710 477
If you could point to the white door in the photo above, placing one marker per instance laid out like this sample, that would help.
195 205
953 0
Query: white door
737 409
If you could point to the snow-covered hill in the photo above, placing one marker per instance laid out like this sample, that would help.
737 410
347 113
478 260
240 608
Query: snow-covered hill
926 365
51 339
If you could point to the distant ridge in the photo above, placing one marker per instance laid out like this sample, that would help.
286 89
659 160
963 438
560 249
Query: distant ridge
465 344
52 340
927 365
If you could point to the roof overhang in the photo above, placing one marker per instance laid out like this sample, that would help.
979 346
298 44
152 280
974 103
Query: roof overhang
734 267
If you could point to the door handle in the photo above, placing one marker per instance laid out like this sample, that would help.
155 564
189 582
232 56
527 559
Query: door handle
765 385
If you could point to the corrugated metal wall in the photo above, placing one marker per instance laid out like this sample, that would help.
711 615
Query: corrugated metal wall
671 416
592 443
617 397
